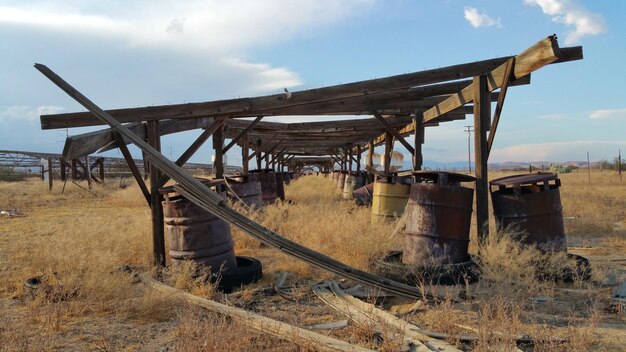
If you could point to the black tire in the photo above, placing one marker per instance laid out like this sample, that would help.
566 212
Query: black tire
391 267
248 270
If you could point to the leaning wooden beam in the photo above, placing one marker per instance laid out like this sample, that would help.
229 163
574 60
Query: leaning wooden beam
256 322
393 131
496 116
543 53
242 133
132 166
193 148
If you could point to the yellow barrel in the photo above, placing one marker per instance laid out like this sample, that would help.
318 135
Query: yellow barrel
390 197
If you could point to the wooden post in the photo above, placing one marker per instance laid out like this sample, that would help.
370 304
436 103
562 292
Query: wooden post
349 158
258 155
73 170
49 174
358 158
158 232
482 117
267 160
63 174
87 171
418 159
218 146
245 151
101 169
388 151
370 161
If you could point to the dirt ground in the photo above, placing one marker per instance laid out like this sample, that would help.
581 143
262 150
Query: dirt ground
76 244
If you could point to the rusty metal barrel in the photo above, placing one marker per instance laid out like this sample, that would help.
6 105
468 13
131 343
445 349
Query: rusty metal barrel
530 204
341 179
389 198
352 182
267 177
195 234
247 188
280 186
438 218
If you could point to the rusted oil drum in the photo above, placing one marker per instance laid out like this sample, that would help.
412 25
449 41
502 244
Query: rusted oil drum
248 189
531 204
438 218
389 197
280 187
352 182
363 195
195 234
341 180
269 190
286 178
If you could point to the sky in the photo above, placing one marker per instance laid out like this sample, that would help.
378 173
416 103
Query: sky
142 53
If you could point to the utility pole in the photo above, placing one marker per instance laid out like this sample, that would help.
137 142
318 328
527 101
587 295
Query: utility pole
469 130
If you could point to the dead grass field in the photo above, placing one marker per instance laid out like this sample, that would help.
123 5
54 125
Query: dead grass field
77 243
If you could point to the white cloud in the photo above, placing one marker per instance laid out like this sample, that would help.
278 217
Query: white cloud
571 13
479 19
608 114
553 117
555 151
23 113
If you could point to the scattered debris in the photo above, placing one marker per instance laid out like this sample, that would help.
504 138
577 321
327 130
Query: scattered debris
339 324
618 300
11 213
403 309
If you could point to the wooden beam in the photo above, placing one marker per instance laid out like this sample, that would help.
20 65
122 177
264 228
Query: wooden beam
482 114
245 150
418 126
132 166
393 131
218 145
242 133
388 151
504 87
193 148
260 146
274 102
158 229
543 53
358 158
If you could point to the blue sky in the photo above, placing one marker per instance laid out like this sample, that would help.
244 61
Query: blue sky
139 53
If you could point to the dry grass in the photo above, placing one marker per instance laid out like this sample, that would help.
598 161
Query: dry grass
78 241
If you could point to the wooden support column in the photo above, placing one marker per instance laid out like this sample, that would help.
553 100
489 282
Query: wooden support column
358 158
349 157
49 174
370 162
101 170
63 174
87 171
158 232
258 154
73 170
245 151
218 146
388 151
482 117
418 159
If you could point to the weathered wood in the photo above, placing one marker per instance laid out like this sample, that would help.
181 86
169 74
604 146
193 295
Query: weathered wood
218 145
503 89
242 133
393 131
73 169
543 53
256 322
358 158
418 126
388 152
245 150
482 113
260 146
158 230
132 166
273 102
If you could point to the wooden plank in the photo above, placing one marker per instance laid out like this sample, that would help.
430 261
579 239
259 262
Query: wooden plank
482 113
394 132
256 322
245 150
132 166
274 102
158 229
418 126
496 116
218 145
542 53
388 151
260 146
242 133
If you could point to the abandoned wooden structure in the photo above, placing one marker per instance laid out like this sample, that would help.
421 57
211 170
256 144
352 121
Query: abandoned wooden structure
396 107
